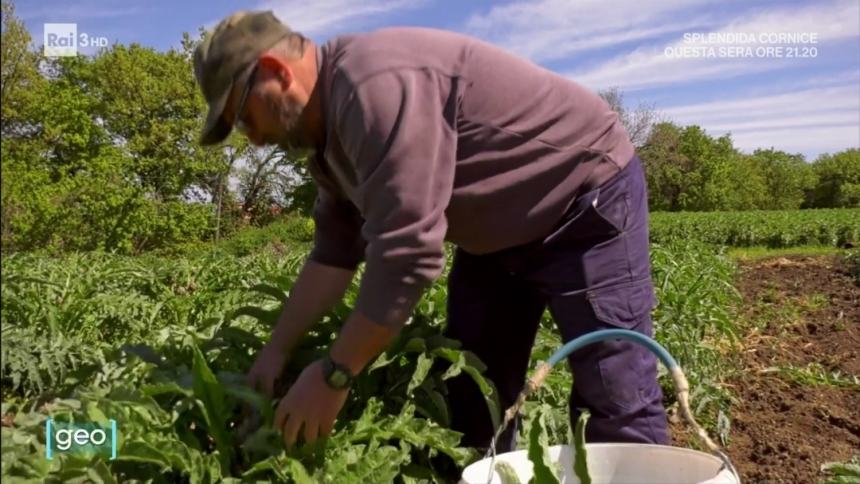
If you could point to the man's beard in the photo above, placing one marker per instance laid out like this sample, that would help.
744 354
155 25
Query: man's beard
290 138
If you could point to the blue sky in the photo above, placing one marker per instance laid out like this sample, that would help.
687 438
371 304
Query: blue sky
808 103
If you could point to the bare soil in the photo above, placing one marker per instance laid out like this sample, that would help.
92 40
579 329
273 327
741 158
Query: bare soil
797 311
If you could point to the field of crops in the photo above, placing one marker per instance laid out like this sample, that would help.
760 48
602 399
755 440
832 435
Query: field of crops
160 344
786 228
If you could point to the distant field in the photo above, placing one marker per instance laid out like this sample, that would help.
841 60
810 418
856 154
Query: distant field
160 343
774 229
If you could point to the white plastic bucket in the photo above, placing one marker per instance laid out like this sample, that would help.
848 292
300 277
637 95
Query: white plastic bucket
617 463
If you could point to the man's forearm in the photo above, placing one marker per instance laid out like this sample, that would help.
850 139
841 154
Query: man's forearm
316 291
360 341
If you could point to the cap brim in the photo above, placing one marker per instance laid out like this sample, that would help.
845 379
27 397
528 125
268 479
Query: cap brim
216 128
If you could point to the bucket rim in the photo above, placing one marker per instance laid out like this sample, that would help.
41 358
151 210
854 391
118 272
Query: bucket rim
614 445
618 445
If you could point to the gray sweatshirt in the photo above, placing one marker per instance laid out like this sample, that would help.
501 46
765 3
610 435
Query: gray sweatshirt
434 136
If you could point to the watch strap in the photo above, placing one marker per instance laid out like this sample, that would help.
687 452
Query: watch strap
337 376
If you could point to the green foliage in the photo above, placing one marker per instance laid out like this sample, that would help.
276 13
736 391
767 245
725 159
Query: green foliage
64 318
542 464
787 179
853 260
689 170
774 229
507 473
838 180
100 153
210 394
554 394
289 232
19 75
842 472
580 463
694 321
814 374
177 405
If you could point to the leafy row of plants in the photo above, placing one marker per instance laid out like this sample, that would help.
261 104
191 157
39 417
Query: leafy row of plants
161 345
772 228
179 410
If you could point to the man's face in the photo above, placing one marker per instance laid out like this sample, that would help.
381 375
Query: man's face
272 109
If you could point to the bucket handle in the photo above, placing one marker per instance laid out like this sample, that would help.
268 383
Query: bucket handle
682 387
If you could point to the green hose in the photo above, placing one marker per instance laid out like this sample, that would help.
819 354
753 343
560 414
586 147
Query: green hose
605 334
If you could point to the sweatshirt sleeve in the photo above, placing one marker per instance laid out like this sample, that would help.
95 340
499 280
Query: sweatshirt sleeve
398 130
337 232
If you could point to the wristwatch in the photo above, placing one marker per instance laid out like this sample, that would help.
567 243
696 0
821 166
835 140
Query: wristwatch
336 376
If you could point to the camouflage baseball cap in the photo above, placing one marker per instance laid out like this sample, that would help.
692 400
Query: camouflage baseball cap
225 57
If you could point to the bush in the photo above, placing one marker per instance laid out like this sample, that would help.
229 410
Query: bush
291 232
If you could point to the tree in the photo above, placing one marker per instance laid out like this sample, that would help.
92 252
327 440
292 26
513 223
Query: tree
259 184
838 180
101 152
788 177
686 169
300 191
19 69
638 122
665 167
749 185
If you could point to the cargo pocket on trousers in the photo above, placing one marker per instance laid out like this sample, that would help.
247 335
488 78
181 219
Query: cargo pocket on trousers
624 366
623 305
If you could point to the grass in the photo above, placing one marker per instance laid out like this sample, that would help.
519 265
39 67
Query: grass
842 472
761 252
814 374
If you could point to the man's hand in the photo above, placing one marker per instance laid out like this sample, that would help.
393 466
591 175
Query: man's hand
315 292
268 367
311 405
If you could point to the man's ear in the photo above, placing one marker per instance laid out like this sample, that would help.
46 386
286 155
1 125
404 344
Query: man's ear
277 68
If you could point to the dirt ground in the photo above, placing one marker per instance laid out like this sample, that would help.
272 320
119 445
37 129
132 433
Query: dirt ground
797 311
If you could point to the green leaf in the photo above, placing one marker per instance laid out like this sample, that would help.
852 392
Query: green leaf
843 472
265 440
580 463
274 464
237 336
269 317
144 452
383 360
456 367
420 373
285 468
440 404
145 353
210 393
163 388
257 400
298 472
270 290
507 473
440 341
205 469
95 414
100 473
488 390
415 345
544 469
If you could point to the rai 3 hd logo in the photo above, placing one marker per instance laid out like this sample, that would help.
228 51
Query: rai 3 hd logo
63 40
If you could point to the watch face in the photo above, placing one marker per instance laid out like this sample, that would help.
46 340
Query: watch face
336 376
338 379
